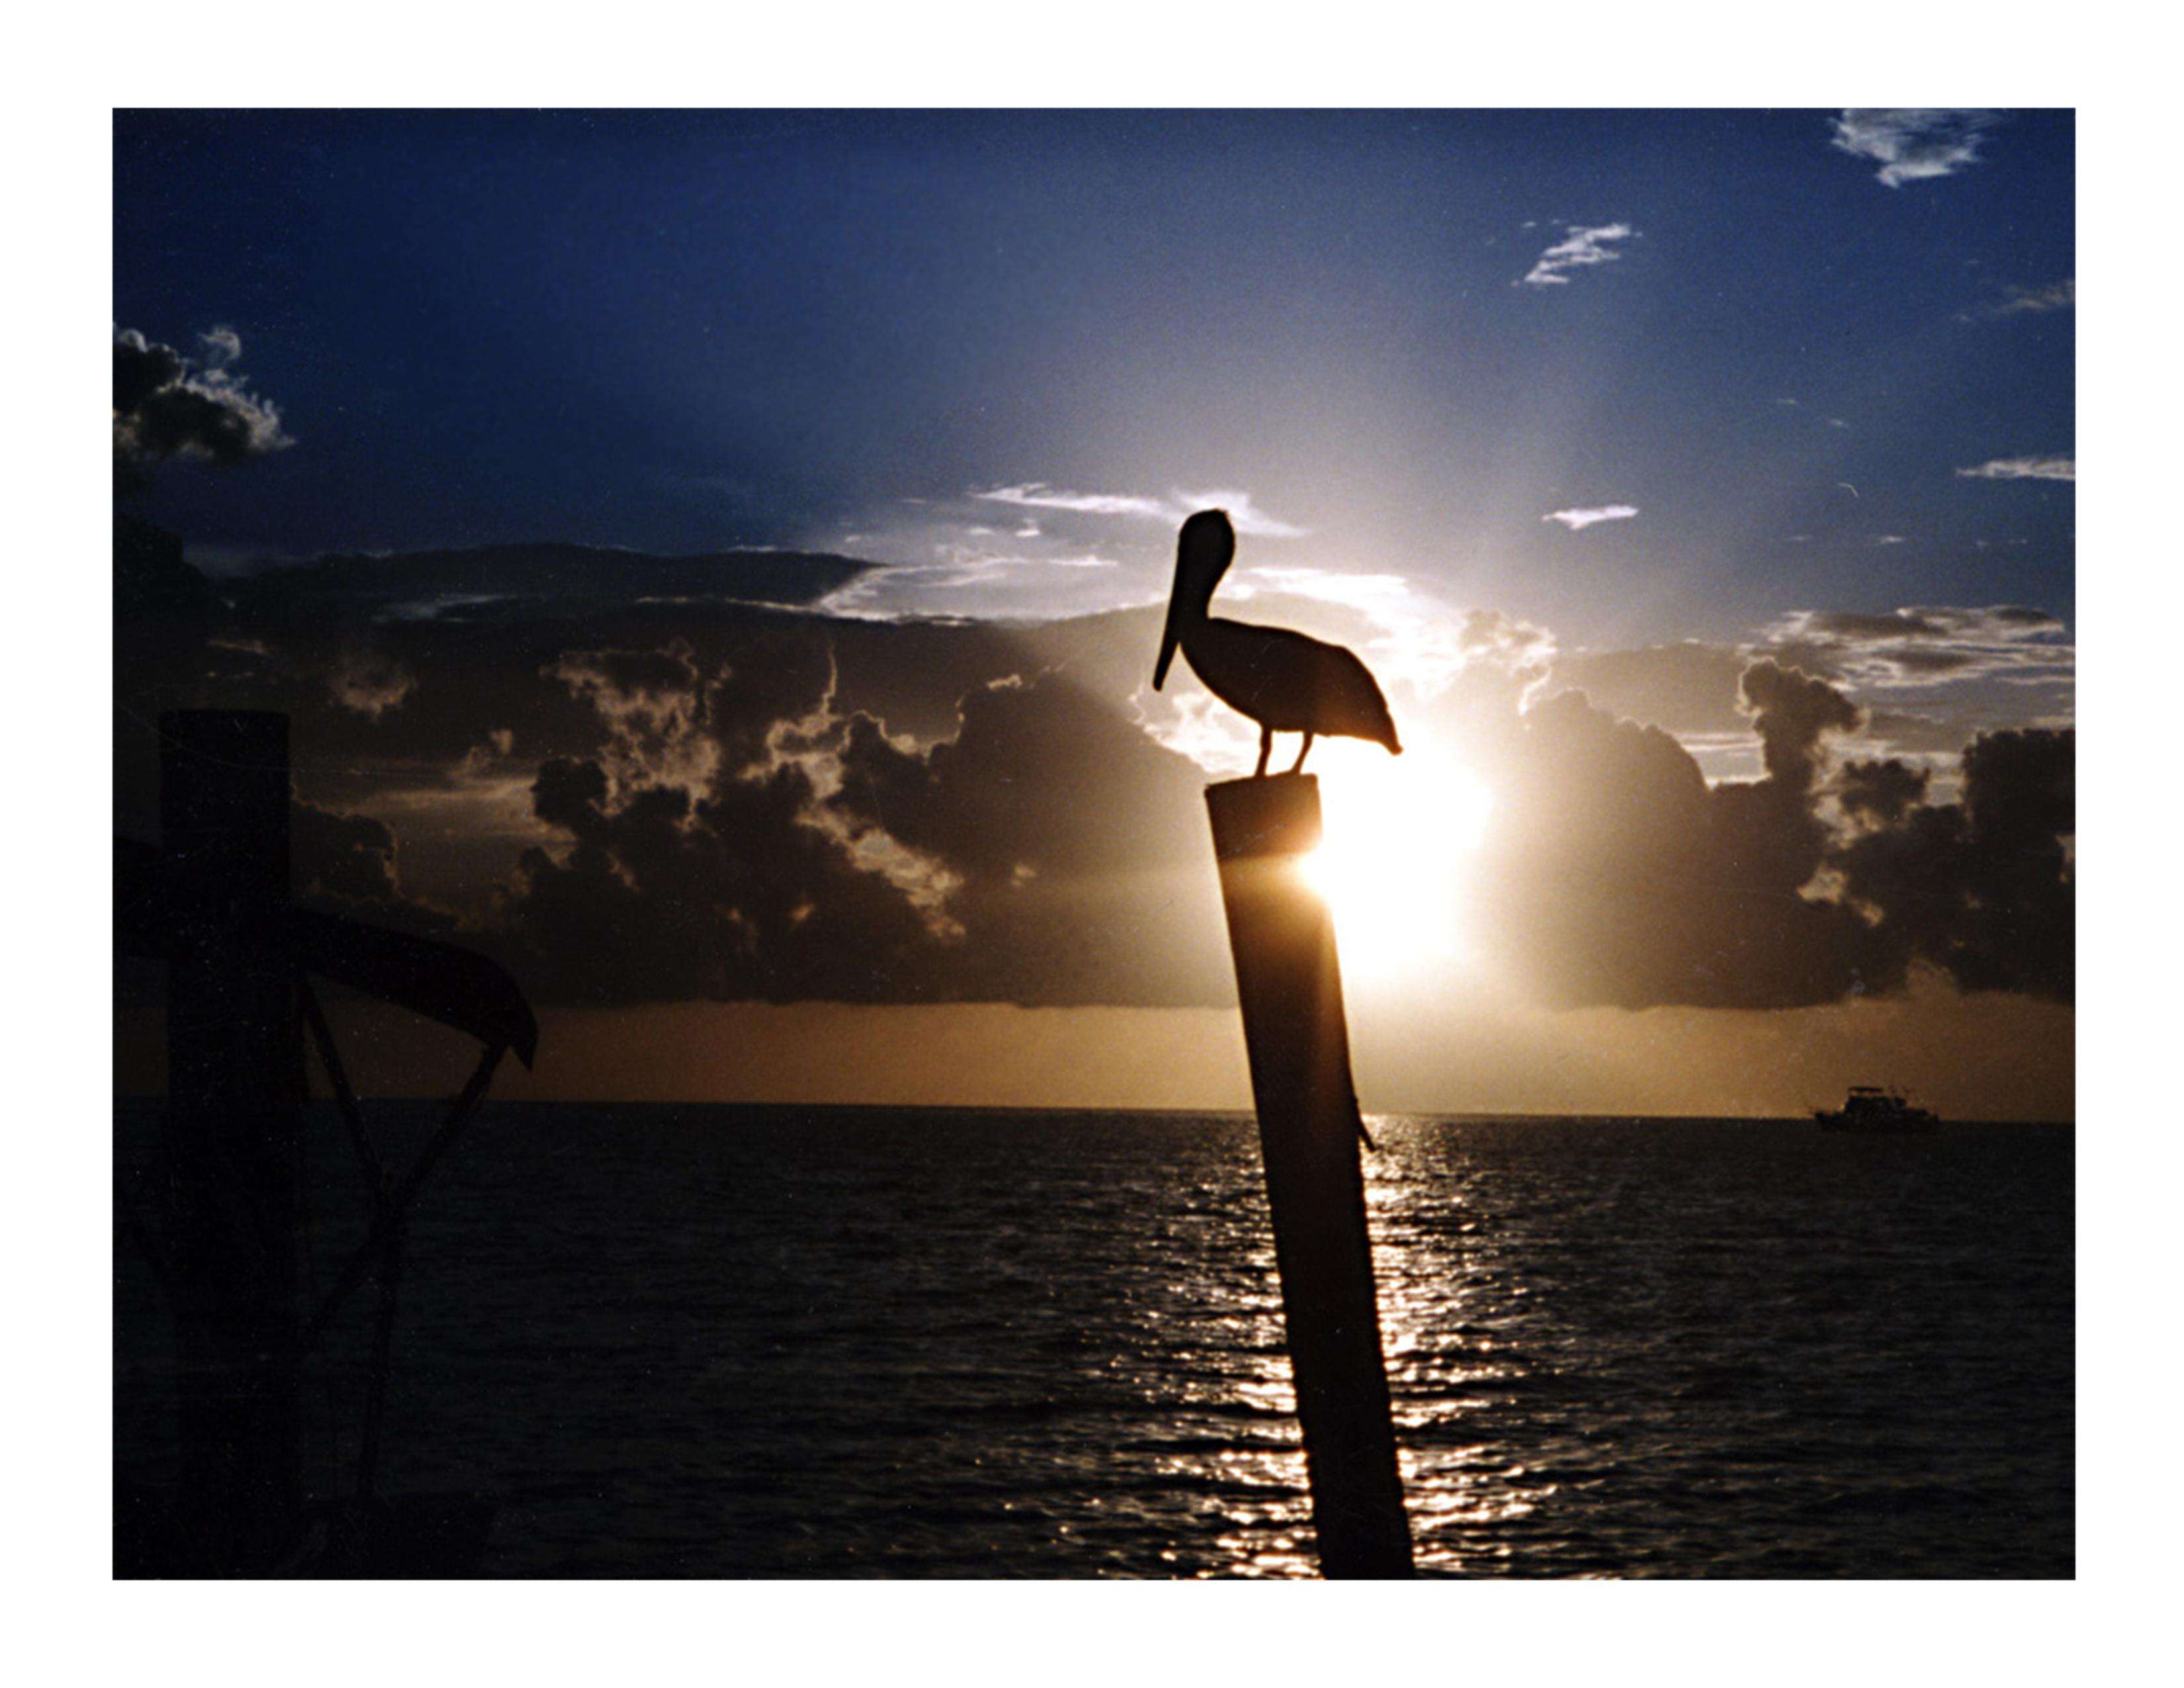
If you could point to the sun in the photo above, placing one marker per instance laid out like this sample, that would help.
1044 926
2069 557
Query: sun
1399 832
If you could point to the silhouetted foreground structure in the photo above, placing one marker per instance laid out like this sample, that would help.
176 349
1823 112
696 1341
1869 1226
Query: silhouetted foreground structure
1288 981
234 1137
213 905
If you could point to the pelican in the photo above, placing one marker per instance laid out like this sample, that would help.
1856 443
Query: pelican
1284 681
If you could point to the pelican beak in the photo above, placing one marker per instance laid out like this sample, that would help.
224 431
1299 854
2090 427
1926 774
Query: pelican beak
1169 634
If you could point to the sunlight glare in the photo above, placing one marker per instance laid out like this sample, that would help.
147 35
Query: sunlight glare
1399 831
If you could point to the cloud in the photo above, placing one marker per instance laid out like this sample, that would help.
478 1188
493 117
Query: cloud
1386 596
1986 888
729 801
1689 689
1927 646
369 682
1879 793
654 705
1913 144
222 345
1792 710
510 583
1580 248
349 864
1928 738
1038 495
1070 832
1578 519
168 405
1968 668
2032 301
1617 875
1090 552
658 895
1243 514
2024 469
341 857
1041 855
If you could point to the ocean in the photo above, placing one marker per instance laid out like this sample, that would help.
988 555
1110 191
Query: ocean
714 1341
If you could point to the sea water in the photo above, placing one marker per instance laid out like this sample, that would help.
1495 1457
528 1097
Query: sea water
751 1341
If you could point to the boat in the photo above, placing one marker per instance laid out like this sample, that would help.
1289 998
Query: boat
1876 1110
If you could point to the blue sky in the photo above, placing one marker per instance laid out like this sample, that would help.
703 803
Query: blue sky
687 331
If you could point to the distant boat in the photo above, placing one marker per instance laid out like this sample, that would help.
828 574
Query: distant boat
1876 1110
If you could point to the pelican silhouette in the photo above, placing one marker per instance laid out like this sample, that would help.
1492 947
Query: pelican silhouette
1284 681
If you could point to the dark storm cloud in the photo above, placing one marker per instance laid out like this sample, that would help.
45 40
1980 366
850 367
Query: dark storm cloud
664 801
348 858
1879 794
1074 842
349 865
1686 688
167 405
1618 876
506 583
653 703
1985 887
657 894
1896 624
1035 857
1792 712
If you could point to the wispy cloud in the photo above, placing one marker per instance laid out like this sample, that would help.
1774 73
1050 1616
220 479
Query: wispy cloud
1927 645
1576 519
1027 550
1913 144
2022 301
1580 248
1038 495
2024 469
1246 515
1388 596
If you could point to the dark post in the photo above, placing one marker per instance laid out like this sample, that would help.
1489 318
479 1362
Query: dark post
233 1147
1290 983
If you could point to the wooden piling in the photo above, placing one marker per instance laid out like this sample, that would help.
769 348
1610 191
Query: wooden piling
1288 981
233 1137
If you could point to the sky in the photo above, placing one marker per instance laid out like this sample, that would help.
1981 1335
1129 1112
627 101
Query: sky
714 561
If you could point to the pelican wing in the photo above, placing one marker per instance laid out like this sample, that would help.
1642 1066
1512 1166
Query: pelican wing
1289 681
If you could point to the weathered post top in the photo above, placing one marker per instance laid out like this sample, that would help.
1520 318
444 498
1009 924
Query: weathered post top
1278 816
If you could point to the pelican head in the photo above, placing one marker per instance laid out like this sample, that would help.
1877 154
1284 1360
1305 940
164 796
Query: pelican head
1203 552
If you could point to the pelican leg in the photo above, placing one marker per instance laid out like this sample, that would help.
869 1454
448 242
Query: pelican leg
1297 767
1266 749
